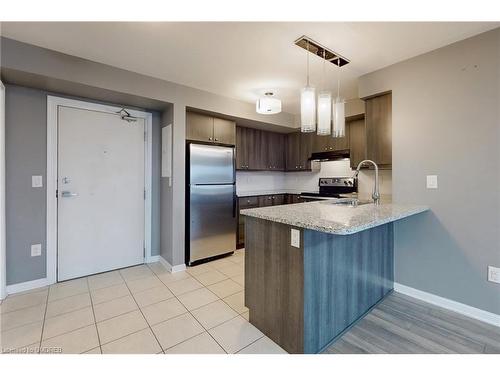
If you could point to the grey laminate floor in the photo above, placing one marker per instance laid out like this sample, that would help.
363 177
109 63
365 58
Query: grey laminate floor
401 324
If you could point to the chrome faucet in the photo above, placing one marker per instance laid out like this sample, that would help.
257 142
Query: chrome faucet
376 193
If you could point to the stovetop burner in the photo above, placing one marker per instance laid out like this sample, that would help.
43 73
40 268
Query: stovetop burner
335 187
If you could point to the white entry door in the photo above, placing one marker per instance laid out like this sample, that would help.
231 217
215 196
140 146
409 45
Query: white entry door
100 192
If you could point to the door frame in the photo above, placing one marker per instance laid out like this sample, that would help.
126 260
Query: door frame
53 102
3 260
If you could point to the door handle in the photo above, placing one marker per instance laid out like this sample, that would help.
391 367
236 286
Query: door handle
68 194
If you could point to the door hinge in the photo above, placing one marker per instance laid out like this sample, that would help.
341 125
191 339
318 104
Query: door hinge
145 136
144 194
57 193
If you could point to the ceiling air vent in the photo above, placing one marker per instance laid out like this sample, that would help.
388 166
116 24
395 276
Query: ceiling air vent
320 51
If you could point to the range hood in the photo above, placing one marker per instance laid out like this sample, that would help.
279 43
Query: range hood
330 155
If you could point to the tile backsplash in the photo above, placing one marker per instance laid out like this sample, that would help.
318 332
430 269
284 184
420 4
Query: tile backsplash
308 181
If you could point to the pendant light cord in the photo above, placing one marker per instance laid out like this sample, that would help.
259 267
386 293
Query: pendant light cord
338 79
323 82
307 63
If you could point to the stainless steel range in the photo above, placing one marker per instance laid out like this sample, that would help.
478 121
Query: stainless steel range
334 188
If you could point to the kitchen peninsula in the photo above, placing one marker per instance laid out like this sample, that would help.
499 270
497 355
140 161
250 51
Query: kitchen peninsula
313 269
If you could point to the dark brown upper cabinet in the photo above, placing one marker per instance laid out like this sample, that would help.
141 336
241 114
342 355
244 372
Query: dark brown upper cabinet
259 150
378 117
224 131
323 143
298 150
357 141
210 129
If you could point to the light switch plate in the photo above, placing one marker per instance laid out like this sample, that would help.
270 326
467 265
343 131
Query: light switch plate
494 274
295 237
36 250
36 181
432 182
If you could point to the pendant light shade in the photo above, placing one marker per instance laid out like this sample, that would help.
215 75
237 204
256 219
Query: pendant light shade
338 118
324 113
308 109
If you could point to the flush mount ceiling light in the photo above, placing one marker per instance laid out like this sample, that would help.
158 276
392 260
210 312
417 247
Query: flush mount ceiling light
268 105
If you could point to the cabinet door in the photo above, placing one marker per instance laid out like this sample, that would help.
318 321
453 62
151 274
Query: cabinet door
224 131
265 200
278 199
378 114
263 139
306 143
254 149
320 143
292 151
343 142
199 127
242 148
276 151
357 142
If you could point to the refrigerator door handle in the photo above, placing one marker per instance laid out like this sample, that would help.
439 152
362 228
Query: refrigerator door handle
234 201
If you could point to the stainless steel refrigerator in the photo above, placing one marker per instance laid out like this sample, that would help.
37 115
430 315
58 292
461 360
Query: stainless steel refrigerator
212 202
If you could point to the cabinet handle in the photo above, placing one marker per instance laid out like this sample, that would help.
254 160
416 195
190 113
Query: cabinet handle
216 139
209 138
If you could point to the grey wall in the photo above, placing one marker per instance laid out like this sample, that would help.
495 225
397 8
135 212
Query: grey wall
31 65
166 202
26 150
26 155
446 122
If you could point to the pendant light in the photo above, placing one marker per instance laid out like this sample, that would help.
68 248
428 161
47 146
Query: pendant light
268 105
308 104
324 107
338 110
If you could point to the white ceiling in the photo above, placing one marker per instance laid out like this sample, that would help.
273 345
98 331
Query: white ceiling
243 60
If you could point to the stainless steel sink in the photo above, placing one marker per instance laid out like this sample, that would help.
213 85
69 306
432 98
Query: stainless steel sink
348 202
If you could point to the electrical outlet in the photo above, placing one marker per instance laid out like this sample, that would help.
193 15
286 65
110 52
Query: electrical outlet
432 182
494 274
36 250
36 181
295 238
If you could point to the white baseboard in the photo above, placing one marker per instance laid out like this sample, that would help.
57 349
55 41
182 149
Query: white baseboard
153 259
22 287
471 312
172 269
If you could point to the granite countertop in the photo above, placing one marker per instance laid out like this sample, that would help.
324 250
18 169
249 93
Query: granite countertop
336 219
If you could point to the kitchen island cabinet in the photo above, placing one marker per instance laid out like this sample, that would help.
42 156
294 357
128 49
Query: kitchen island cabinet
313 269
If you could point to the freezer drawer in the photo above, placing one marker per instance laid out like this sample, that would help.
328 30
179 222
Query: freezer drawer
211 164
212 221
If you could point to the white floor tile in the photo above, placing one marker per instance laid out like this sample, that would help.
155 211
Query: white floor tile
263 345
115 307
210 277
137 272
122 325
151 296
237 302
21 317
184 286
65 305
24 300
169 278
233 270
213 314
75 342
104 280
144 283
199 269
21 336
67 322
197 298
163 310
142 342
235 334
177 330
225 288
201 344
68 289
157 268
109 293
